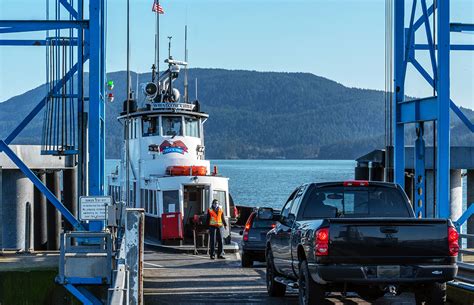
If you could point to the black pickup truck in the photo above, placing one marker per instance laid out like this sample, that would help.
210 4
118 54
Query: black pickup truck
358 236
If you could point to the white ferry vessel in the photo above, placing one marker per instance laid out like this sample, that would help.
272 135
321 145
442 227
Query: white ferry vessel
168 171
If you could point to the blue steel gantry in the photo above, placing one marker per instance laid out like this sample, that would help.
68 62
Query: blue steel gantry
435 20
75 42
87 37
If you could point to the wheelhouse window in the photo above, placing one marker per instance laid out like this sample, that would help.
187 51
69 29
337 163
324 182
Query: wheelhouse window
151 127
192 127
172 126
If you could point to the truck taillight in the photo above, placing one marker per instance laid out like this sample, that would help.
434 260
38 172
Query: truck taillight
322 242
453 241
247 227
356 183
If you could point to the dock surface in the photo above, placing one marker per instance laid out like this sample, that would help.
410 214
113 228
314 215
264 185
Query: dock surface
171 278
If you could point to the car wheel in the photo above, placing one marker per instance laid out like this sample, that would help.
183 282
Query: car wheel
274 288
431 294
309 291
247 261
371 293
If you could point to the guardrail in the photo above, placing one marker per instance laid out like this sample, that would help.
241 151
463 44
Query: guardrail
127 279
465 259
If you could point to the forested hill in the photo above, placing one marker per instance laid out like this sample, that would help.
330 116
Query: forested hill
257 115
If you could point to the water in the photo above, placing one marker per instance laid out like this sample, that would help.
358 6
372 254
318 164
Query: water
270 182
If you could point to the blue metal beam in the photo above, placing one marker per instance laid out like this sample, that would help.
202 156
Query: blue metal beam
423 72
462 116
40 186
429 37
82 295
464 217
453 47
35 43
40 106
89 295
399 70
462 27
96 103
69 8
16 26
418 110
421 20
443 128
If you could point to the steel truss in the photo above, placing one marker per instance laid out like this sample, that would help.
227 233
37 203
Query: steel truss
433 108
87 36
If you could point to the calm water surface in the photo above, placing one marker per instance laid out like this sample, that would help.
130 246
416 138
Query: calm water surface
270 182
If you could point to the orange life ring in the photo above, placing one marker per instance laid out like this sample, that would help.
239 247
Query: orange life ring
187 170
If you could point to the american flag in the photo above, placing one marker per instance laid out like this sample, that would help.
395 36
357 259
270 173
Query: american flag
157 7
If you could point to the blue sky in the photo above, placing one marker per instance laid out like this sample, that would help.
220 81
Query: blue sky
337 39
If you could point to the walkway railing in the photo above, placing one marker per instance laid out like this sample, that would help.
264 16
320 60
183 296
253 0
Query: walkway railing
466 254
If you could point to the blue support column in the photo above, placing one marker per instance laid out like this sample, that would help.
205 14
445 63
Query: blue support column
96 104
399 52
443 128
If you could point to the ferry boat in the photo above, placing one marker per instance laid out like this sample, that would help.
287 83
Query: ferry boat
167 169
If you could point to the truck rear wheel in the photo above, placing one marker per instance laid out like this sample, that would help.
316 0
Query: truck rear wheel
309 291
274 288
247 261
431 294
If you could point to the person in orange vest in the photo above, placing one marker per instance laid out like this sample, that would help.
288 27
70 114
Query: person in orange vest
216 222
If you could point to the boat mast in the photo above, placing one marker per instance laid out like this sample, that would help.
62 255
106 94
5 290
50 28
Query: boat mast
186 94
157 47
170 86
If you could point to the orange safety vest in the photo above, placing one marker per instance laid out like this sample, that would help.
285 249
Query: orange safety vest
216 218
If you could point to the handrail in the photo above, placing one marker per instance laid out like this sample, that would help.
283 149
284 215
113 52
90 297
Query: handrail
466 269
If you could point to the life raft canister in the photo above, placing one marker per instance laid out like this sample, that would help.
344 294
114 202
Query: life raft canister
186 170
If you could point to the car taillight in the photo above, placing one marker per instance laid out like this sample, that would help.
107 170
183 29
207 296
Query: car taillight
453 241
247 227
356 183
322 242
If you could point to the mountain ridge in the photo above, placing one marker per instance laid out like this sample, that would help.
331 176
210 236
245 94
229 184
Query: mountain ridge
262 115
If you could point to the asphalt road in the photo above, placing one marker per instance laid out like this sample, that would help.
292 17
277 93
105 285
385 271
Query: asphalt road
195 279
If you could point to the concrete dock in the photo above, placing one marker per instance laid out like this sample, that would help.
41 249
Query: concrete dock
195 279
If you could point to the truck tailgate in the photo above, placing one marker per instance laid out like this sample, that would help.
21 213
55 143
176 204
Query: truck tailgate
386 241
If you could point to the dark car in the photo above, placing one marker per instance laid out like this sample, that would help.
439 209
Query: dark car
359 236
254 234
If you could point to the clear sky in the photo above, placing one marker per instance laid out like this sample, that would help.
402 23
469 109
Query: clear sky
342 40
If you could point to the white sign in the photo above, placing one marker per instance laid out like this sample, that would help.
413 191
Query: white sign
179 106
171 208
94 207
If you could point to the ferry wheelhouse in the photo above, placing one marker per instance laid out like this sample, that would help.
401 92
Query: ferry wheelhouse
164 154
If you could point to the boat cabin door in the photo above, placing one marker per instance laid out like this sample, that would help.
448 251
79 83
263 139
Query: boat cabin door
196 198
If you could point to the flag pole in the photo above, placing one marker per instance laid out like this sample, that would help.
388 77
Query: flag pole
157 35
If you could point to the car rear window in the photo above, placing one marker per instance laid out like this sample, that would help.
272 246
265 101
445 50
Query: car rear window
262 224
354 202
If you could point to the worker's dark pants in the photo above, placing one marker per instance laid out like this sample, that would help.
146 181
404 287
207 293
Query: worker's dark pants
216 233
